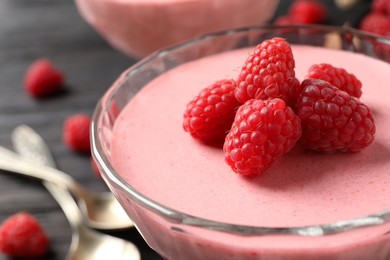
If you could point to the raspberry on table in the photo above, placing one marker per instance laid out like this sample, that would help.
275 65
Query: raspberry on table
262 131
308 12
210 114
76 132
304 12
376 23
22 236
42 79
332 120
381 6
269 72
338 77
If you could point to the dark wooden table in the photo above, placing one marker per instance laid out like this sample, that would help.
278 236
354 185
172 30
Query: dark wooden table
31 29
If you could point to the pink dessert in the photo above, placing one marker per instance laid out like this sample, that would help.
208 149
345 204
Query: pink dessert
153 153
138 27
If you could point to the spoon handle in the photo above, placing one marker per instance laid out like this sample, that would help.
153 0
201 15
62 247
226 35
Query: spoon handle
32 147
12 162
66 202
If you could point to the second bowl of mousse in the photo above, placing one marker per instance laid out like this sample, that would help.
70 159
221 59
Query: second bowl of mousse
139 27
189 204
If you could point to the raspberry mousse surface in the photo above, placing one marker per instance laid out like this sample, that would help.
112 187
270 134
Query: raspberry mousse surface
153 153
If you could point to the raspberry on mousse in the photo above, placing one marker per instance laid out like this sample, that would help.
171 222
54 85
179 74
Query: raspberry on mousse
268 73
332 120
210 114
267 111
338 77
261 133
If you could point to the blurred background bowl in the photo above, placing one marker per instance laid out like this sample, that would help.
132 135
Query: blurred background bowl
139 27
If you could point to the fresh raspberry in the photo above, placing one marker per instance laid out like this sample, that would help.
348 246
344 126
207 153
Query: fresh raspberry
338 77
308 12
262 131
381 6
42 79
332 120
76 133
22 236
376 23
268 73
210 114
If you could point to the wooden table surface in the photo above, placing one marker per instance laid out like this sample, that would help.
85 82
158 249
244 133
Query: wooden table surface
31 29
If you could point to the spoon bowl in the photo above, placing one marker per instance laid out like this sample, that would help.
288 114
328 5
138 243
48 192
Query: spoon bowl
86 243
100 210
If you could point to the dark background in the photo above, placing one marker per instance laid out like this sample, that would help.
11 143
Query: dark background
31 29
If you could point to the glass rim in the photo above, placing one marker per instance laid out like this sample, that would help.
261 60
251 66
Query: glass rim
179 217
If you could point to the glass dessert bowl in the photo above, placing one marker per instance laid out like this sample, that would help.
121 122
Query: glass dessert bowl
138 28
188 204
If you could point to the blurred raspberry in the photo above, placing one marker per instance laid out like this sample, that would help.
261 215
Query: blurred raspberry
42 79
376 23
381 6
76 133
21 236
308 12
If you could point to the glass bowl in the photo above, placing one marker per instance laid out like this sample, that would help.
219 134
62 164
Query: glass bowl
179 235
138 27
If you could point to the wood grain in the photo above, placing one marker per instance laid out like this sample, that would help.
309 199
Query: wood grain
52 29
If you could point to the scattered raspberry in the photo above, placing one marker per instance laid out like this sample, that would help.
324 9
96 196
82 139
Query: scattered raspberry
332 120
22 236
381 6
95 167
268 73
308 12
338 77
76 133
210 115
42 79
261 133
376 23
